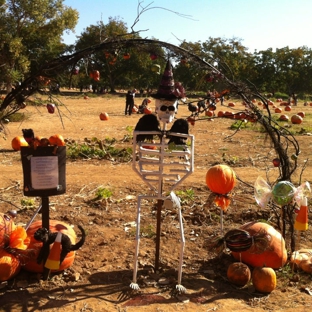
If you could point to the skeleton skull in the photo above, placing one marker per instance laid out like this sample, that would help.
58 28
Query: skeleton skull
166 109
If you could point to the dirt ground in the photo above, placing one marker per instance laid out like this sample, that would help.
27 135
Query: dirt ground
100 277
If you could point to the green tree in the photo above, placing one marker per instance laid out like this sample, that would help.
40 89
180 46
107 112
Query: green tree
31 33
229 56
116 69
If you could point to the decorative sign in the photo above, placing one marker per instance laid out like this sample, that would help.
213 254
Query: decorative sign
44 172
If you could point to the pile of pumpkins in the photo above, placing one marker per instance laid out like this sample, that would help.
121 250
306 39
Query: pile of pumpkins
56 139
19 249
263 262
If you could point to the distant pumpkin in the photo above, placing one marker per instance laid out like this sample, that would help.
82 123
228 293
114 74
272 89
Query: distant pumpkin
51 108
147 111
104 116
278 110
284 118
296 119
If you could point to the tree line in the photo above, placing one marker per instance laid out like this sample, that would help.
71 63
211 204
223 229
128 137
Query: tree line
31 34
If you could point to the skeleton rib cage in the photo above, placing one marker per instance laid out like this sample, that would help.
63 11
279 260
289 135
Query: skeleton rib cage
160 165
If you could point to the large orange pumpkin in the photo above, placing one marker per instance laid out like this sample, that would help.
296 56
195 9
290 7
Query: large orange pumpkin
9 265
220 179
274 255
55 226
18 142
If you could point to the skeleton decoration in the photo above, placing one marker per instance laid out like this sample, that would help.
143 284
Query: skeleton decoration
163 159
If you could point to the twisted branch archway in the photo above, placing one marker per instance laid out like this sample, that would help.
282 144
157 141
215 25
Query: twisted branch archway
282 140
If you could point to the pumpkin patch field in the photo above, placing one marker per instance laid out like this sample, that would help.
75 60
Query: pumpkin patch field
101 197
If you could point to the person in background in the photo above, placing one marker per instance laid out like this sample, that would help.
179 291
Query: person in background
129 102
294 97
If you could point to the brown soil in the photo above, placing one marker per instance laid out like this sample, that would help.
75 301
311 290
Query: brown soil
100 277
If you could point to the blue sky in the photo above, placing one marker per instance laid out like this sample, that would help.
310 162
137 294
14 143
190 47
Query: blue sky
260 24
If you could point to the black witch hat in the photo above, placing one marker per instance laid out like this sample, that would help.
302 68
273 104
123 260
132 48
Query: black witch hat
168 89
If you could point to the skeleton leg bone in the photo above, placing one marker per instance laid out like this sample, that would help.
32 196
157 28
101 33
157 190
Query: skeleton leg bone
176 202
134 285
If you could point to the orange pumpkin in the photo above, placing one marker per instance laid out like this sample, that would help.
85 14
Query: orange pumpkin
228 114
147 111
274 255
220 179
220 114
284 118
278 110
209 113
7 226
9 265
264 279
57 139
55 226
104 116
301 114
18 142
238 273
296 119
287 108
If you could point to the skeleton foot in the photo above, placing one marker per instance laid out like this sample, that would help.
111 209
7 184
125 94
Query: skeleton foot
134 286
180 289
